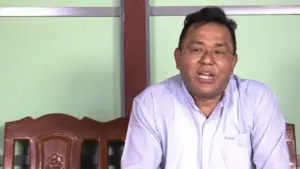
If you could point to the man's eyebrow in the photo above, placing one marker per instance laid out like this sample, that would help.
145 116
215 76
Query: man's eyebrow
220 44
197 42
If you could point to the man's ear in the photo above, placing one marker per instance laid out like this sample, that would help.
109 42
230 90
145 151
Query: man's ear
234 62
177 54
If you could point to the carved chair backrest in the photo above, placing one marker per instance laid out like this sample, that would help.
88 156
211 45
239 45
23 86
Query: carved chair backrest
291 141
56 140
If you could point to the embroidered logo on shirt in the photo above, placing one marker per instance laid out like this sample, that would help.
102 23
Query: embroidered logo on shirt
229 138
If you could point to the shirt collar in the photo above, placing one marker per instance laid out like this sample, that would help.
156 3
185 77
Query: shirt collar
192 102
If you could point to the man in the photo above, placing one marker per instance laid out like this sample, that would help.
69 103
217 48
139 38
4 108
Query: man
206 117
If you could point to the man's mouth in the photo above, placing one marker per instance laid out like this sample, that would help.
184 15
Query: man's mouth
205 75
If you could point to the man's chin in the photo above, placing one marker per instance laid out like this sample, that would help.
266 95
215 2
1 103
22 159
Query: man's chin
206 92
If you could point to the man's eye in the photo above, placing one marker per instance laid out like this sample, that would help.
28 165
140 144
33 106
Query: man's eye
197 50
219 52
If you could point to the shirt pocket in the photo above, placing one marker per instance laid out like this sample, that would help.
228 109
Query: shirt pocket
235 150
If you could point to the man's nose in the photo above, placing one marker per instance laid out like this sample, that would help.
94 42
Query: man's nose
207 58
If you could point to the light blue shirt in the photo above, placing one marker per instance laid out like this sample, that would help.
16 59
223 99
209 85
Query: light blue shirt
168 131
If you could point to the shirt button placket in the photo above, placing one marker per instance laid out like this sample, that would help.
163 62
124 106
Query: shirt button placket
205 145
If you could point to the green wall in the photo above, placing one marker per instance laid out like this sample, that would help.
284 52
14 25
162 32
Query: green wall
65 65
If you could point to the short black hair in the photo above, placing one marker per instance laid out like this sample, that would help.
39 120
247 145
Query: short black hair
209 15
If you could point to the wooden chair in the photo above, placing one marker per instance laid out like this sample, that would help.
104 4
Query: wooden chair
56 140
291 141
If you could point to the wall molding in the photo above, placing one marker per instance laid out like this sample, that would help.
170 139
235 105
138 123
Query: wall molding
153 10
60 12
230 10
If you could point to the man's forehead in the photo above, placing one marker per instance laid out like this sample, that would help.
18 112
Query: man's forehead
197 35
214 43
209 29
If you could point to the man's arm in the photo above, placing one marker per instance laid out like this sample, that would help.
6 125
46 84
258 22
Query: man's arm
268 135
142 148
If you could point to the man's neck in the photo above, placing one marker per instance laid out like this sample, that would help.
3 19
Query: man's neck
207 106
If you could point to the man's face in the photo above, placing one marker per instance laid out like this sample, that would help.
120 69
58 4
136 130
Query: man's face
206 60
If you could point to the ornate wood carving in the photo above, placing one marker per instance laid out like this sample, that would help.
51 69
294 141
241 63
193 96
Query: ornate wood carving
55 161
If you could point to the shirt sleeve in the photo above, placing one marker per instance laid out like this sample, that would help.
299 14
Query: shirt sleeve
270 150
142 148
